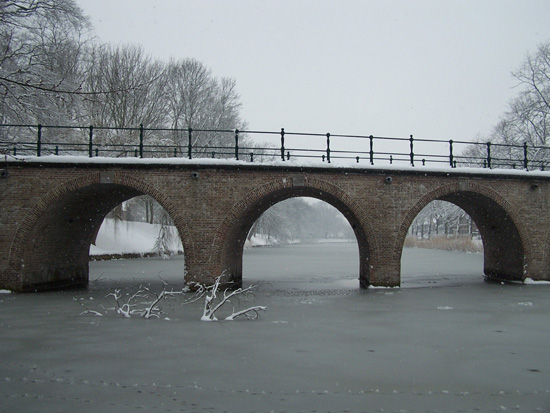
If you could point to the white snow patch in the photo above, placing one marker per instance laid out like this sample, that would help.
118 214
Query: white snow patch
445 307
526 304
128 238
5 292
380 287
530 281
257 241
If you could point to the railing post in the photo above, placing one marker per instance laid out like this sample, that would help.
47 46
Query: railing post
525 161
412 150
190 143
328 147
371 153
237 144
489 155
283 144
91 143
39 141
141 140
451 157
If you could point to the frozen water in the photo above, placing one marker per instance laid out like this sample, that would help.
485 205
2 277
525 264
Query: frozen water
316 348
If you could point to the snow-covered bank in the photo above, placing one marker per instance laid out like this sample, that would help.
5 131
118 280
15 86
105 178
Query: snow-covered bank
128 238
138 238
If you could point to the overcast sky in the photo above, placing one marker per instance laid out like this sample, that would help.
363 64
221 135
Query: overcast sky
436 69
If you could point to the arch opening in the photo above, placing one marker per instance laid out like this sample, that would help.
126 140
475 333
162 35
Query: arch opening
56 250
142 232
305 244
443 246
240 232
492 226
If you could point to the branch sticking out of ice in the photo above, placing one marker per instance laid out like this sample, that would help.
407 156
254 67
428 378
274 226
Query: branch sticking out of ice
146 303
251 313
212 303
143 303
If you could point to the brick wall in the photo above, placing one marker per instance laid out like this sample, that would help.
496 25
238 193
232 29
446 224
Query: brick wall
50 213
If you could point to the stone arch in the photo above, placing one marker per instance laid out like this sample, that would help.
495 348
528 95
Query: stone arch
50 247
228 244
496 219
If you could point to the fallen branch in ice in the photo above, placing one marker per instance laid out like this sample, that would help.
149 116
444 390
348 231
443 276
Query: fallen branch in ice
90 312
211 306
148 307
146 303
251 313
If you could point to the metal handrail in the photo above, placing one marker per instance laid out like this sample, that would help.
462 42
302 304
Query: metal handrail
31 140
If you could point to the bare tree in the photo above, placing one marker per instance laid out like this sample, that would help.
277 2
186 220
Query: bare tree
198 100
140 86
41 48
441 218
527 119
531 109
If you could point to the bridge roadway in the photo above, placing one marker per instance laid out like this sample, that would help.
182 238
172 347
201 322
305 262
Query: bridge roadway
51 209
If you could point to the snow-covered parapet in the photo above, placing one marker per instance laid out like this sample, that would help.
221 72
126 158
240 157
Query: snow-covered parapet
292 163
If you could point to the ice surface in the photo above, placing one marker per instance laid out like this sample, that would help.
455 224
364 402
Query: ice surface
315 349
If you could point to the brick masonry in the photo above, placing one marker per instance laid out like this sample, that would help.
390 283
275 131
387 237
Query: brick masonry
50 213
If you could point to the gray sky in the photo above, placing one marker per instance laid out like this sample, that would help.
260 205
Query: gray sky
435 69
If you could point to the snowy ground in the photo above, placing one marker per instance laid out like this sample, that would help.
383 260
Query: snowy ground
453 343
128 238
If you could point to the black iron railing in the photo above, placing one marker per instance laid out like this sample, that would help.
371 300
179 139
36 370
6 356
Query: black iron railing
142 142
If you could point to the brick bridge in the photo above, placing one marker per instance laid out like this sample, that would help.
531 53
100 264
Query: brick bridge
51 211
